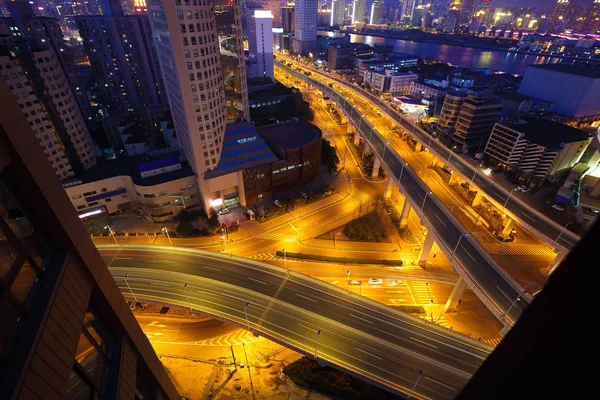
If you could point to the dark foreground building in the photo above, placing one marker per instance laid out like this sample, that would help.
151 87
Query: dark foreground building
65 329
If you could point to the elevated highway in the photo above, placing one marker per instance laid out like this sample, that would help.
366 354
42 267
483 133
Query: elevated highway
533 220
357 335
493 286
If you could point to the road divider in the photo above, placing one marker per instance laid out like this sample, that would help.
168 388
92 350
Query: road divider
343 260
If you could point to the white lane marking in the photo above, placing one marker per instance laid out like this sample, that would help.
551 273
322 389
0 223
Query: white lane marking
211 268
528 216
428 344
469 254
503 292
123 258
257 280
362 319
272 271
307 327
168 261
440 220
307 298
440 383
366 352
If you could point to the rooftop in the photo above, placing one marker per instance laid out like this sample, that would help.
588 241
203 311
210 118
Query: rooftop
131 166
551 134
290 134
587 72
243 148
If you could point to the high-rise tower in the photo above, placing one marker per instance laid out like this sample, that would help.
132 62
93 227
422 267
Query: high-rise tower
376 12
305 26
359 9
337 12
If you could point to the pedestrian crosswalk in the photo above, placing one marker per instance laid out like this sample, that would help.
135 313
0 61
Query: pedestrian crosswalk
231 339
492 341
265 257
280 237
516 249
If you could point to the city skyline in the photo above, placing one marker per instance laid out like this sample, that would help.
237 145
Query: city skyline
398 203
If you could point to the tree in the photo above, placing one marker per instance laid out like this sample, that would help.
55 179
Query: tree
329 156
185 228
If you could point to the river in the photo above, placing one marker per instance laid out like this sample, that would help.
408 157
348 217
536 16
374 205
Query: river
497 60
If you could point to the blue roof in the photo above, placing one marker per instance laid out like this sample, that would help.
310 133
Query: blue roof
162 163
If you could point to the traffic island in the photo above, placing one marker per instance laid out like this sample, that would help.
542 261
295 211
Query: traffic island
343 260
308 374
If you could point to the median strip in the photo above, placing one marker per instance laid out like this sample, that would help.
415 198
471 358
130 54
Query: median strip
343 260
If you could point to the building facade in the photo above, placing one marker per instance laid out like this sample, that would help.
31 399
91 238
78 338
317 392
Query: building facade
474 123
260 43
67 330
376 15
40 87
185 33
540 149
160 189
337 13
339 56
359 10
287 17
305 26
124 61
450 109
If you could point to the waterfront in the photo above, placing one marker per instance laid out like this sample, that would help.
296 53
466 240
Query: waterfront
462 56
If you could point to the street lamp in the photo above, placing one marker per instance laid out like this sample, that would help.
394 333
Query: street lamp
514 302
401 171
506 202
186 296
562 230
285 260
111 233
129 287
317 342
425 198
348 281
246 313
457 243
450 155
165 230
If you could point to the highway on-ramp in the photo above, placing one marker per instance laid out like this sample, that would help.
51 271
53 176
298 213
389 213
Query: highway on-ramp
357 334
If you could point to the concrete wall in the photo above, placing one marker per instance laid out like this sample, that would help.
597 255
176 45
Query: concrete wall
573 95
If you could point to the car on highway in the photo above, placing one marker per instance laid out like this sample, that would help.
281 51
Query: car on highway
375 281
423 229
447 169
277 203
513 231
558 207
224 211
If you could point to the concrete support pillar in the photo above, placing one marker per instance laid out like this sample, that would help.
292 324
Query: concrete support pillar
356 136
434 161
507 228
426 250
556 262
595 192
405 212
418 147
451 179
456 295
376 166
478 199
388 187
